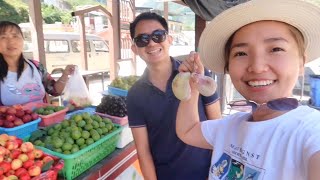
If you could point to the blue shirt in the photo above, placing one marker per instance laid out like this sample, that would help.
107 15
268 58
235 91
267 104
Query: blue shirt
156 110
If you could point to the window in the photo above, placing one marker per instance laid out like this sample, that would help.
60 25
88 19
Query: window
56 46
100 46
75 45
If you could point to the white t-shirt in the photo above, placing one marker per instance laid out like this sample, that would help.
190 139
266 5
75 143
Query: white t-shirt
276 149
27 89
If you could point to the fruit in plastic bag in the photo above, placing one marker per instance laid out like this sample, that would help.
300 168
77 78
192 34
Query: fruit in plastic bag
205 85
181 87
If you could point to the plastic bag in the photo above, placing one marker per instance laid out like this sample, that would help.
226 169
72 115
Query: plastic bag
76 94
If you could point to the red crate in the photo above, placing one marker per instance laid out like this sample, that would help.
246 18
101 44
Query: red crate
118 120
47 120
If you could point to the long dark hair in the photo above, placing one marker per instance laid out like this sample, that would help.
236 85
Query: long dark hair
4 25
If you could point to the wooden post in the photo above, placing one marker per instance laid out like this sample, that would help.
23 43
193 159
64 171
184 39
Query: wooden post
83 42
37 31
166 10
113 7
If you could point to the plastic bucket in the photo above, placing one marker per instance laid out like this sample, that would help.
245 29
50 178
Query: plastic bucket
314 81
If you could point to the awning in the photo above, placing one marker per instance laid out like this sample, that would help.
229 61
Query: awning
208 9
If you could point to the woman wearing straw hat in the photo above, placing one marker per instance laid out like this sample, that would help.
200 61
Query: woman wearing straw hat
264 52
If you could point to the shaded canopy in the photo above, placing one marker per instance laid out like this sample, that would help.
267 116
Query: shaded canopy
208 9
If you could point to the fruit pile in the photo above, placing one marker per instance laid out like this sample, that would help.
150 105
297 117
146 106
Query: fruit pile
76 102
124 82
181 87
48 110
20 160
72 135
12 116
113 105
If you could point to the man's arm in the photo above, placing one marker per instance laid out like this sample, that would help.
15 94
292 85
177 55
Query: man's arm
313 168
140 136
213 111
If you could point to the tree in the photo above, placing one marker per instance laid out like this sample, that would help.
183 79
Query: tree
52 14
14 11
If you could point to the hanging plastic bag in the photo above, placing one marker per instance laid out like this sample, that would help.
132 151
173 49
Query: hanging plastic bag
76 94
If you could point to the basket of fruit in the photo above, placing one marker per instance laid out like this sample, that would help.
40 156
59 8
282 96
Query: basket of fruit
20 160
81 141
49 114
120 85
113 107
18 122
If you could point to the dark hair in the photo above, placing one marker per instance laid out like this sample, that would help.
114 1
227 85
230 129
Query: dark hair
4 25
147 16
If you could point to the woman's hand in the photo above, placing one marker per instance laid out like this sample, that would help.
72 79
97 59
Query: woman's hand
69 70
192 64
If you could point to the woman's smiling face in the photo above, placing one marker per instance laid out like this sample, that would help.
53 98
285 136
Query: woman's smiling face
264 61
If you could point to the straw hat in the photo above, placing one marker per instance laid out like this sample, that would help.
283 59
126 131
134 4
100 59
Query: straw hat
301 14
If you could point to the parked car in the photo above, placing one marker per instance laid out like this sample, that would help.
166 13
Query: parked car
63 48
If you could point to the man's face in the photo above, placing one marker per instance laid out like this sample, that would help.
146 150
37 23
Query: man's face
153 52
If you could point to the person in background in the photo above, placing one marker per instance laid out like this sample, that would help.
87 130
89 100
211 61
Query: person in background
264 52
23 80
152 107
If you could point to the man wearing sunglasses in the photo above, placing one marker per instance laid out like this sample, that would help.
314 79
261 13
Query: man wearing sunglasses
152 107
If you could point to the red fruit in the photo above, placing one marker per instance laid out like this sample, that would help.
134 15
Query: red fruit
16 164
38 163
20 171
10 172
8 124
26 147
37 153
34 171
3 151
18 122
11 144
28 163
34 116
20 113
31 155
23 157
10 117
28 111
3 109
26 118
1 122
5 166
47 159
17 107
15 153
19 141
24 176
11 111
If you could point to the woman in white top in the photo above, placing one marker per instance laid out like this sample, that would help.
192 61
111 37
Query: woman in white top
263 45
24 80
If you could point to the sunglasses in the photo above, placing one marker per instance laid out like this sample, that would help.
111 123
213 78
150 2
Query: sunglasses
281 104
157 36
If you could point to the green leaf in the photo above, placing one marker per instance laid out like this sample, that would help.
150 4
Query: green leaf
47 166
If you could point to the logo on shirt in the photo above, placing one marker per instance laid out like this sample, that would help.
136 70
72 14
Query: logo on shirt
227 168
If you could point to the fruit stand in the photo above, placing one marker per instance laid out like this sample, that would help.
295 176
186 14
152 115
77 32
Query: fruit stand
91 142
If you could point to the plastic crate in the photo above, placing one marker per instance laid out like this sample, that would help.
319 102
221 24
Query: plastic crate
118 120
21 131
90 110
47 120
117 91
77 163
